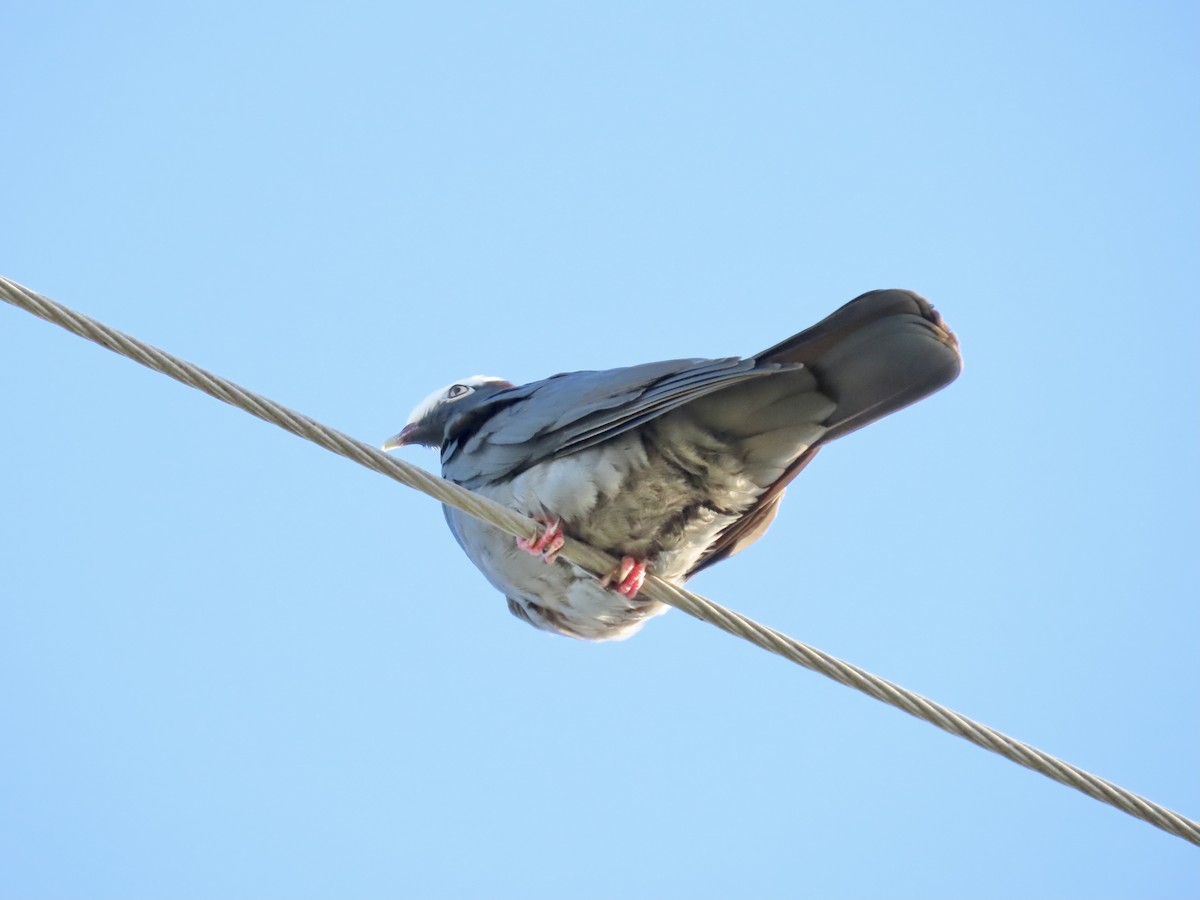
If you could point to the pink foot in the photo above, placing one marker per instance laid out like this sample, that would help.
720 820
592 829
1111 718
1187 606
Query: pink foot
547 544
627 578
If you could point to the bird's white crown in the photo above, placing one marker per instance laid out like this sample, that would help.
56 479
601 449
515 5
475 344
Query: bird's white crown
464 387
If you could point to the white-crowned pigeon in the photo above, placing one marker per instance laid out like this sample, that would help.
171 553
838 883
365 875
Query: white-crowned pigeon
671 466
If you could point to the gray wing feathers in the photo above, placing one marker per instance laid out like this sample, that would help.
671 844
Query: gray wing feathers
571 412
554 403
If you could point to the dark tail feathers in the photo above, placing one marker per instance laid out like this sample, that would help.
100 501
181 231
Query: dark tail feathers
877 354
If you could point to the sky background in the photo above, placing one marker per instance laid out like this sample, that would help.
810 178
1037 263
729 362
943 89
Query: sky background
235 665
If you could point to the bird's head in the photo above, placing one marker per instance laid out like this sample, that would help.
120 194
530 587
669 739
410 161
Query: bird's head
427 423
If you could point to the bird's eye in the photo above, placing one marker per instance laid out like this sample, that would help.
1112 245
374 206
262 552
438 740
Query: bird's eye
458 390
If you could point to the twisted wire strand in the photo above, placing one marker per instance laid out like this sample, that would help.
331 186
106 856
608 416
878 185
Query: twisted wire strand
601 563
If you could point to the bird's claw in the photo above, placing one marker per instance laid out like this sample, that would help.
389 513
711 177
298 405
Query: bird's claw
547 544
627 578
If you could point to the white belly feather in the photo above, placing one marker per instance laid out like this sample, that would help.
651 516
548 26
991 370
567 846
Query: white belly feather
618 498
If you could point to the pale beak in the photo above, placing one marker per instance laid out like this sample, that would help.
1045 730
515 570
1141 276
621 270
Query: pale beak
400 440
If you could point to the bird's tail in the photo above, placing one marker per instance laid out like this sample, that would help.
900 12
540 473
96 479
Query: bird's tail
877 354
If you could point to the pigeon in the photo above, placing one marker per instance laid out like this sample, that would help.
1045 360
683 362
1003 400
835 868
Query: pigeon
669 466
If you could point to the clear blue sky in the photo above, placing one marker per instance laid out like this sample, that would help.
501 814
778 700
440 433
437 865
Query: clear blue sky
234 665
